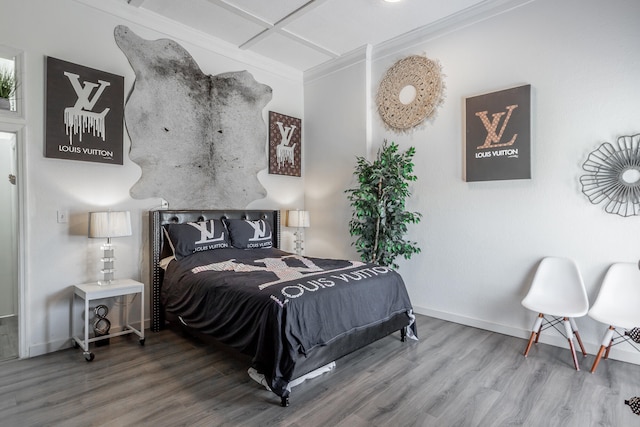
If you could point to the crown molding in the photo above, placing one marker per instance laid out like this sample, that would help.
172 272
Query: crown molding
462 19
469 16
349 59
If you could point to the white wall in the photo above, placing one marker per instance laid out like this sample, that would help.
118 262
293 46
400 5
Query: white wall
481 241
335 133
60 255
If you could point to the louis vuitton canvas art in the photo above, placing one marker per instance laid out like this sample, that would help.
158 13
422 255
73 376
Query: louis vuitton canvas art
498 135
285 145
84 113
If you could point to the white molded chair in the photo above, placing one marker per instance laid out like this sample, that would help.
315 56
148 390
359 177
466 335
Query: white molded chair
617 305
557 293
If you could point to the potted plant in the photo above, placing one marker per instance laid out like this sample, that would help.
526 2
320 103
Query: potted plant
7 87
379 219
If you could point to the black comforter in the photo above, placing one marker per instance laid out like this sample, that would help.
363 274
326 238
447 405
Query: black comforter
276 306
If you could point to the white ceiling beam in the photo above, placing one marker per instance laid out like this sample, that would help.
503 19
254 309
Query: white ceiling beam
135 3
183 33
278 27
314 46
302 10
241 12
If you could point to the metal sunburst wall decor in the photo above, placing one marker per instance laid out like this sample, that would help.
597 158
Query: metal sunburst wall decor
614 176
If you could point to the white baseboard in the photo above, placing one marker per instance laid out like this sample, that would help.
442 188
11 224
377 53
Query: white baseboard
48 347
623 353
618 353
62 344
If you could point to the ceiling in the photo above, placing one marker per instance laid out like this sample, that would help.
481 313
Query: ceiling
306 33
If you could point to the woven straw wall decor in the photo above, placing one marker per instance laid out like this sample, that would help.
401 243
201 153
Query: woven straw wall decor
425 76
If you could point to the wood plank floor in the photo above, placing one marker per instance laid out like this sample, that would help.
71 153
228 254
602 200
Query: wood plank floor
454 376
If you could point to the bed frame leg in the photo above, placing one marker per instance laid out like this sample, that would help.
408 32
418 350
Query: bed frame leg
403 334
284 401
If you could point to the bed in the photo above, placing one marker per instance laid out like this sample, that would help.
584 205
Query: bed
221 273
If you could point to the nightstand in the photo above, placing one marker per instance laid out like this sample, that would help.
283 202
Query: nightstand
93 291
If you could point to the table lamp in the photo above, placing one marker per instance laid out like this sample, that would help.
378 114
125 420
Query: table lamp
109 224
298 219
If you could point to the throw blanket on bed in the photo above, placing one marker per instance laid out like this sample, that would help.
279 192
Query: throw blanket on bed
276 306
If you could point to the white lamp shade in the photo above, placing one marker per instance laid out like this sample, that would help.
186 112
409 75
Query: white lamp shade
109 224
298 219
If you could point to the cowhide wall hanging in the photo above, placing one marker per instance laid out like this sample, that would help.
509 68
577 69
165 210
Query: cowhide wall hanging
199 139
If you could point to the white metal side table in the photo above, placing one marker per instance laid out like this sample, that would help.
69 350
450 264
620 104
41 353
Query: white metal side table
93 291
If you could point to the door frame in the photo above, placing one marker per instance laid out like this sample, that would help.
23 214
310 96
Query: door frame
19 131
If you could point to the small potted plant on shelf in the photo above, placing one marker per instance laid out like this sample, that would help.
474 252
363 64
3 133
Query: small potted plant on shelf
379 219
7 87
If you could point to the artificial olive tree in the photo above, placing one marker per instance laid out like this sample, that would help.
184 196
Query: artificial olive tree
379 219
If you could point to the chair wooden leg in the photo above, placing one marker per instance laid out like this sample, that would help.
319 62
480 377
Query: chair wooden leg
533 336
598 357
535 333
604 348
573 353
540 317
606 354
569 333
584 352
609 335
574 327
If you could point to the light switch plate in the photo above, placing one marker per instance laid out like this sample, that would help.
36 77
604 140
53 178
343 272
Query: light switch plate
63 216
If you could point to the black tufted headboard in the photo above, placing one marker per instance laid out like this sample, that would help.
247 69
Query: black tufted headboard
158 250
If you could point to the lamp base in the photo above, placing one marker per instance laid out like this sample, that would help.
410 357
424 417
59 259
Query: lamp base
108 260
299 242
